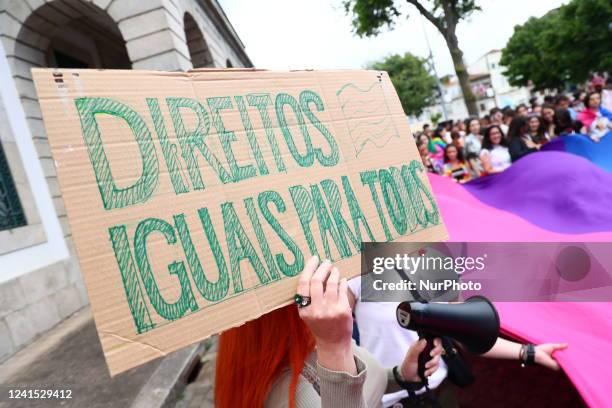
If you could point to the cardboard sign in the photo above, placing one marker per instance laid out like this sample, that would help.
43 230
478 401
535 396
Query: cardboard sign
194 199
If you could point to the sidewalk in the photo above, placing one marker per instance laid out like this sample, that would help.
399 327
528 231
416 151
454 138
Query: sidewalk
69 357
199 392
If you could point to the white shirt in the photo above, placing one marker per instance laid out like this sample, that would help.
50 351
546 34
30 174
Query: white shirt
382 336
504 128
600 127
499 157
472 144
606 99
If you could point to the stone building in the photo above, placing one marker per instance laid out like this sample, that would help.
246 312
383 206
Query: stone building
489 84
40 281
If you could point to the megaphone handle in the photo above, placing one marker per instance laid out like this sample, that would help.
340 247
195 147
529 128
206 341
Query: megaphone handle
424 356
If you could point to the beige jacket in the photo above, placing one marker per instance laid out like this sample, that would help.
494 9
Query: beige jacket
336 389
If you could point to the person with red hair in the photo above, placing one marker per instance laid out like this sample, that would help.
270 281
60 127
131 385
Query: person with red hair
304 357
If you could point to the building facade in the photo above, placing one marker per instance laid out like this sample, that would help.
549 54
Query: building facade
489 84
492 87
40 280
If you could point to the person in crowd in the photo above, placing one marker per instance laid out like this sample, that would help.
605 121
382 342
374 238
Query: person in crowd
594 117
522 110
457 139
548 120
564 102
461 126
578 102
454 165
536 109
304 356
509 114
597 83
520 142
537 129
497 118
437 144
592 102
426 131
564 124
485 121
473 144
422 137
443 132
494 156
549 100
426 159
473 140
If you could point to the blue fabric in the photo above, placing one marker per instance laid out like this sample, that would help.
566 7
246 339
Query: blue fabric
606 113
599 153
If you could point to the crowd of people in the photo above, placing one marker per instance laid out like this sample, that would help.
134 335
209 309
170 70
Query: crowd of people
476 147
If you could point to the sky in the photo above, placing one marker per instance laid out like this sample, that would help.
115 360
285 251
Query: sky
300 34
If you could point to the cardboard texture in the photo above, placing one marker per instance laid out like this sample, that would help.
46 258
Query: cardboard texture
194 199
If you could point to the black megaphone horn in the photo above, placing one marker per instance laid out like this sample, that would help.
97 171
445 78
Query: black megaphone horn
473 323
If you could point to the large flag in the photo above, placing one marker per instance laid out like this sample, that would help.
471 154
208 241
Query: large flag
563 194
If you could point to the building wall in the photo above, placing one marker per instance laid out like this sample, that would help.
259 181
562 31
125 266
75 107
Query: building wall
38 283
503 93
40 280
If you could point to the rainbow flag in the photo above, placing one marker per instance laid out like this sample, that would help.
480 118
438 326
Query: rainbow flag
561 194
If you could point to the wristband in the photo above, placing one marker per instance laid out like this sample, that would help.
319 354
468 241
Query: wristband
527 355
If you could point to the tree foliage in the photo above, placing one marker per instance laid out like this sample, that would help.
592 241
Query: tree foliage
371 16
564 46
415 86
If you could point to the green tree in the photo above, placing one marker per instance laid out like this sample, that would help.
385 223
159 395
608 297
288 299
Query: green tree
525 56
435 118
369 16
564 46
415 86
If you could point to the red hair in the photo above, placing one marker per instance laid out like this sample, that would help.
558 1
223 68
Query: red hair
251 357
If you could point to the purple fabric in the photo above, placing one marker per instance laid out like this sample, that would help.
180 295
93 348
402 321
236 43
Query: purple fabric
554 190
556 145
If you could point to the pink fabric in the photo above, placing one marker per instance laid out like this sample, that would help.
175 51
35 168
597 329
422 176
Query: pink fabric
468 219
587 327
587 116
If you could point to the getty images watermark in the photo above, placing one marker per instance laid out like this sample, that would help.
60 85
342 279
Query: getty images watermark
501 271
433 267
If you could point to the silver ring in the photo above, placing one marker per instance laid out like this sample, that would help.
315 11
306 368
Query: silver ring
301 301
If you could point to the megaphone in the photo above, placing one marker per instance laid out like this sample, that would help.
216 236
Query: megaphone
474 323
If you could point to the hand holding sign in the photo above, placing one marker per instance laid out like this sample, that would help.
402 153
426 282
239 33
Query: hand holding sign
329 315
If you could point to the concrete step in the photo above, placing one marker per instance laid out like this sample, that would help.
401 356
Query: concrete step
200 392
